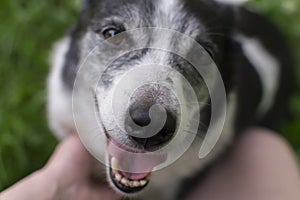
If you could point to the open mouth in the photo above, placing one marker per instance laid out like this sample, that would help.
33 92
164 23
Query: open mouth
127 182
130 169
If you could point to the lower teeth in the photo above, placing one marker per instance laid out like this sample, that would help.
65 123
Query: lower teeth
122 180
129 183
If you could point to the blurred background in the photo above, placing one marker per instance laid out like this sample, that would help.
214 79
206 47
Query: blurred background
28 29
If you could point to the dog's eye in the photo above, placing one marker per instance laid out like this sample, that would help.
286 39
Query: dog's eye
110 33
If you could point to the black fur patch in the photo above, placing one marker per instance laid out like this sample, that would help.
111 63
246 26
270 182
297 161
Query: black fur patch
72 56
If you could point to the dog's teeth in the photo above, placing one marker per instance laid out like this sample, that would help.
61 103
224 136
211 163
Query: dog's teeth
114 163
118 177
124 181
136 184
130 183
143 182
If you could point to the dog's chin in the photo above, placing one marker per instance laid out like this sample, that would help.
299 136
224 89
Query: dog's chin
124 182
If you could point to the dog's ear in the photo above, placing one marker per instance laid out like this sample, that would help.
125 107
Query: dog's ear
259 58
260 40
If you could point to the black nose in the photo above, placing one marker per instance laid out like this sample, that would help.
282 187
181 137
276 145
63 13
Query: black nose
140 116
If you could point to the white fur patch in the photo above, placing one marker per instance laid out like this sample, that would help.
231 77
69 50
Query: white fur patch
267 67
168 5
167 12
59 99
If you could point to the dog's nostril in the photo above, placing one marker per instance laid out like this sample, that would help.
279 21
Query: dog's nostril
141 118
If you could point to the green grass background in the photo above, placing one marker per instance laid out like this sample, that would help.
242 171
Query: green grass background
28 28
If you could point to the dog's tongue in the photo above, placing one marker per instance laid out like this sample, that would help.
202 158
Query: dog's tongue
135 166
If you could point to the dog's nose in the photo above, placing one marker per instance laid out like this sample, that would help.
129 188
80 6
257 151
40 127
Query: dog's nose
140 116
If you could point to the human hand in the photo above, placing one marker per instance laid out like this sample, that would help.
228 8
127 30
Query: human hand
66 176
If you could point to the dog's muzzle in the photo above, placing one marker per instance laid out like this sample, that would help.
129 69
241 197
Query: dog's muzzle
150 123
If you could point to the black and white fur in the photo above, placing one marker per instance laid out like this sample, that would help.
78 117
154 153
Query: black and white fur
255 64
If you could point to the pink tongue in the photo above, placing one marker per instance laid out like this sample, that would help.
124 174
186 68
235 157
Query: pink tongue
134 166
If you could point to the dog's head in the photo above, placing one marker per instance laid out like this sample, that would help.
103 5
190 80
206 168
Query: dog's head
113 25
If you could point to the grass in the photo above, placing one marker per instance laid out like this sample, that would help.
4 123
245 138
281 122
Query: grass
27 32
28 28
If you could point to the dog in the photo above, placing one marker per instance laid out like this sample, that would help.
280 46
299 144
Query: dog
249 52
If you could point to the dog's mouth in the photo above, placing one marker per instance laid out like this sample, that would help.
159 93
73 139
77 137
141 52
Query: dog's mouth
129 169
127 182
